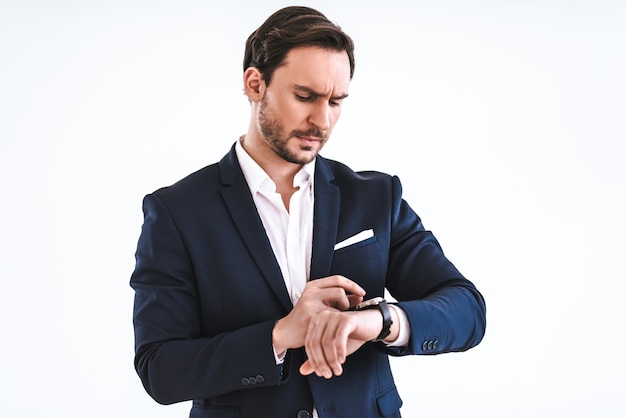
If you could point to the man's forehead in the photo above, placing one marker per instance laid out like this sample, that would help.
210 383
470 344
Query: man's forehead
322 70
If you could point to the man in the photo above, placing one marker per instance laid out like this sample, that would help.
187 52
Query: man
252 273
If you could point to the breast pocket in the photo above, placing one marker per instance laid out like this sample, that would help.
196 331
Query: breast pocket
365 262
356 245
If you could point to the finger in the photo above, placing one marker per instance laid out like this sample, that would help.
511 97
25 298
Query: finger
314 350
306 368
354 300
333 346
346 284
335 297
327 342
342 351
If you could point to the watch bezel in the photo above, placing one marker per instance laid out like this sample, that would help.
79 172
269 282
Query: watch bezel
370 303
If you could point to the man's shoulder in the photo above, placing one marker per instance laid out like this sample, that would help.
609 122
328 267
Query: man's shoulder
341 173
199 179
204 180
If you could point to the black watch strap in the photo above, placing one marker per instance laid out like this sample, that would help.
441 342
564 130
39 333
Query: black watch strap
387 321
383 307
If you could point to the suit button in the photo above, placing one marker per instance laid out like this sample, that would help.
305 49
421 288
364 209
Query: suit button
430 345
252 380
245 381
425 345
303 414
435 344
260 379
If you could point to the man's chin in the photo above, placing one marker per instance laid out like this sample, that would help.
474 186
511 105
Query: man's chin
302 157
308 154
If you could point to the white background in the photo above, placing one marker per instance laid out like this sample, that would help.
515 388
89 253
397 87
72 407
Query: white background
505 120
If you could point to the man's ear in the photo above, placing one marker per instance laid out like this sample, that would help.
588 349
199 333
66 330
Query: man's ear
253 84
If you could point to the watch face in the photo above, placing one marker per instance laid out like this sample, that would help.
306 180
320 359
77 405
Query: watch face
369 302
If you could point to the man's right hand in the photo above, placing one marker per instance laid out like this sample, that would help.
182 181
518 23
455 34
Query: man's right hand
336 293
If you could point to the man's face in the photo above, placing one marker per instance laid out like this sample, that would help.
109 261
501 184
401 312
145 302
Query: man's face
302 104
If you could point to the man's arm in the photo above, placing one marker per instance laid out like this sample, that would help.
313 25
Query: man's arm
174 358
445 310
442 310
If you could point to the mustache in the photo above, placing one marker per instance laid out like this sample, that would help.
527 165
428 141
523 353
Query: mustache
316 133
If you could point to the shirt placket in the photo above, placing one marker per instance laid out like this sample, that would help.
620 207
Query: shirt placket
295 247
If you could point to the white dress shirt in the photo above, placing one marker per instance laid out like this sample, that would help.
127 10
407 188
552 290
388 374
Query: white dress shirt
290 232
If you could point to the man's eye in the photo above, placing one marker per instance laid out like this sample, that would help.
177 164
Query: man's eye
304 98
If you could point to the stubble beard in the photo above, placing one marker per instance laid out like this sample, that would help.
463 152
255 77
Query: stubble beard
274 133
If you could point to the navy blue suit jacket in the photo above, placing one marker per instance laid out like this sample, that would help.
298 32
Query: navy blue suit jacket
208 291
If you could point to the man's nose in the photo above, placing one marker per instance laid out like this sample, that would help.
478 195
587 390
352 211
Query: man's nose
320 116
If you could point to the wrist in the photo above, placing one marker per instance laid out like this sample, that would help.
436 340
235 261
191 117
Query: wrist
387 320
277 342
387 317
394 332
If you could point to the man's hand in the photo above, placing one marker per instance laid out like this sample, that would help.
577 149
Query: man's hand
330 294
333 335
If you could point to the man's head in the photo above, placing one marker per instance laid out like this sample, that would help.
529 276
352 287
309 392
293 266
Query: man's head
310 63
290 28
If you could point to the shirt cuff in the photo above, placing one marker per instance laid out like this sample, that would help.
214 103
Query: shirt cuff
405 330
279 357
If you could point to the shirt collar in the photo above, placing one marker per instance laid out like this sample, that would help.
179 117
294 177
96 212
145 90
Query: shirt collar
257 178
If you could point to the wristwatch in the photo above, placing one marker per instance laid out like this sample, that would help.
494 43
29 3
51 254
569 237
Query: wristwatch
380 304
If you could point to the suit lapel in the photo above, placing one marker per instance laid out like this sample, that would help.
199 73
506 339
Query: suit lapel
325 220
240 204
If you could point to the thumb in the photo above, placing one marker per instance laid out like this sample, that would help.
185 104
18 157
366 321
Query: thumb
306 368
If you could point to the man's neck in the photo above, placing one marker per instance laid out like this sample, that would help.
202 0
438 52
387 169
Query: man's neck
280 171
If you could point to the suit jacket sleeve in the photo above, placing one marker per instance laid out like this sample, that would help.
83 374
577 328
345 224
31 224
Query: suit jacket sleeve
174 358
445 310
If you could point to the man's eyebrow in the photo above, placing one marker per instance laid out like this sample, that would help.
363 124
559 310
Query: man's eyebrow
314 93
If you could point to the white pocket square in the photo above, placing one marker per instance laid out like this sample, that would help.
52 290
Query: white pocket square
361 236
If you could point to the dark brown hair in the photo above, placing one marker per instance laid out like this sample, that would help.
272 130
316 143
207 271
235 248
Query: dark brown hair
290 28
